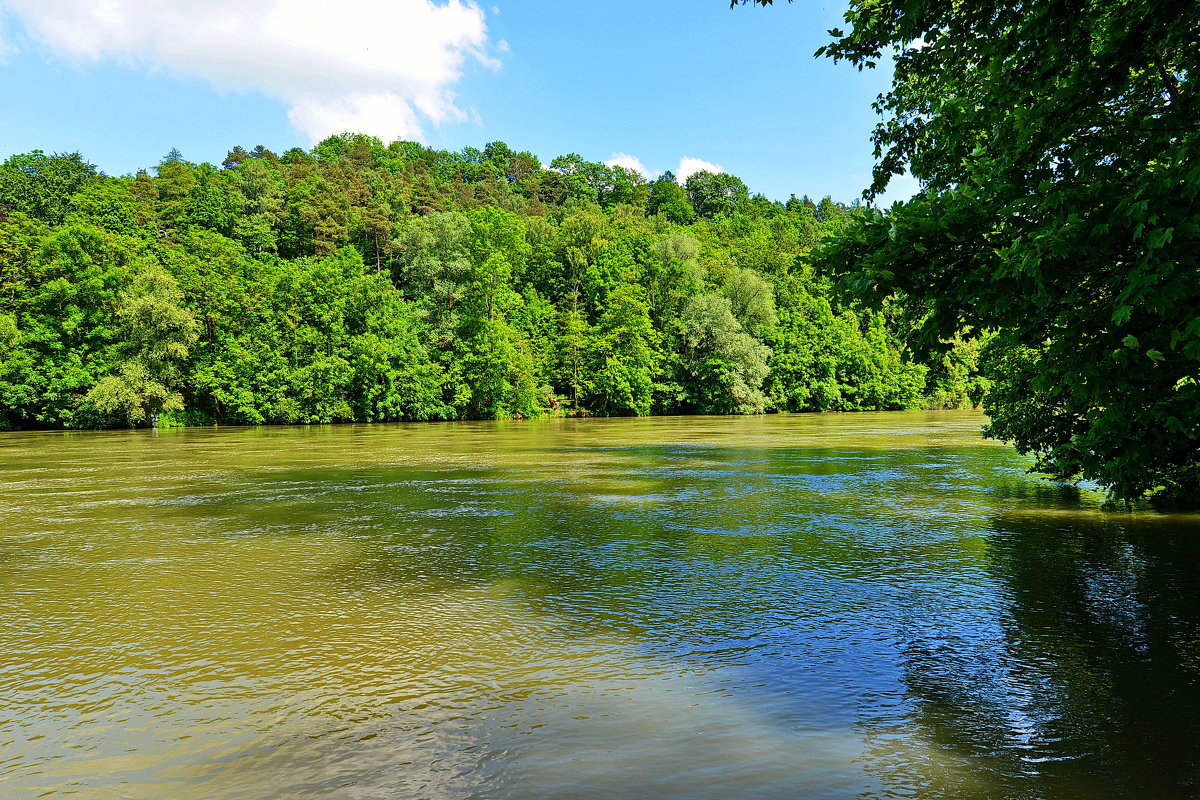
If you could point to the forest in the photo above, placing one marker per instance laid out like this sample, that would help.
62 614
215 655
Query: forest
367 282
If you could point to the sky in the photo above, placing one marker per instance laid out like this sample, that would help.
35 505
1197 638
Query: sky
653 85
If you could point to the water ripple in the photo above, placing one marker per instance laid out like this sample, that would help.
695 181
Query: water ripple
822 606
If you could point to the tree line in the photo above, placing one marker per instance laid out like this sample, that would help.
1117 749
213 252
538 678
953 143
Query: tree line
359 281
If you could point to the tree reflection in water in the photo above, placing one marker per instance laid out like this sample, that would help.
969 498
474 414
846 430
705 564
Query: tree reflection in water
1082 682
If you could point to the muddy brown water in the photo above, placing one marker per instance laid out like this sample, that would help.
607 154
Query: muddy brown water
807 606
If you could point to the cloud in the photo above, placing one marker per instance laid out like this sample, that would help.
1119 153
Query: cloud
689 166
629 162
383 67
358 112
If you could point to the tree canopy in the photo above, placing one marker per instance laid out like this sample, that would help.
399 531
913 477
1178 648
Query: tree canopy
1059 150
372 282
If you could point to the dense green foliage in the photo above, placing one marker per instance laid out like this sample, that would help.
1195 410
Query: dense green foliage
1059 148
367 282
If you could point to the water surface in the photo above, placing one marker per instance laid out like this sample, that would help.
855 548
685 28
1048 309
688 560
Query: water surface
816 606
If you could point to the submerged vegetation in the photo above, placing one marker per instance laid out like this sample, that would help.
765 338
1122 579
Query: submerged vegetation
361 281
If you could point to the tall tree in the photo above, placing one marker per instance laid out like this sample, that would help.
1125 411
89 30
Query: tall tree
670 199
622 354
726 366
1058 146
155 333
713 193
40 185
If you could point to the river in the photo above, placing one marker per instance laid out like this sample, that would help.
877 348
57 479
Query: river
805 606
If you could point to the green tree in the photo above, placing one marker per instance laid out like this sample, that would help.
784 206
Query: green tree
65 311
235 157
109 204
40 185
212 203
260 190
804 363
726 366
1060 156
621 186
576 177
155 333
752 301
434 265
17 374
674 275
571 344
494 363
20 240
715 193
622 354
670 199
173 184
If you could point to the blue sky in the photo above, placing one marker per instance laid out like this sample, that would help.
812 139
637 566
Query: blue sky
124 81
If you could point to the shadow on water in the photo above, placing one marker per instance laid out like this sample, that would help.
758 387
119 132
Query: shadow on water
695 619
772 579
1084 682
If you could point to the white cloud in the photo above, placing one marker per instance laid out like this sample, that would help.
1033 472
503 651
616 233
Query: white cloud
689 166
372 66
359 112
629 162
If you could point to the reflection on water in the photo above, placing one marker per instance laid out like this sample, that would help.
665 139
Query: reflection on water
873 606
